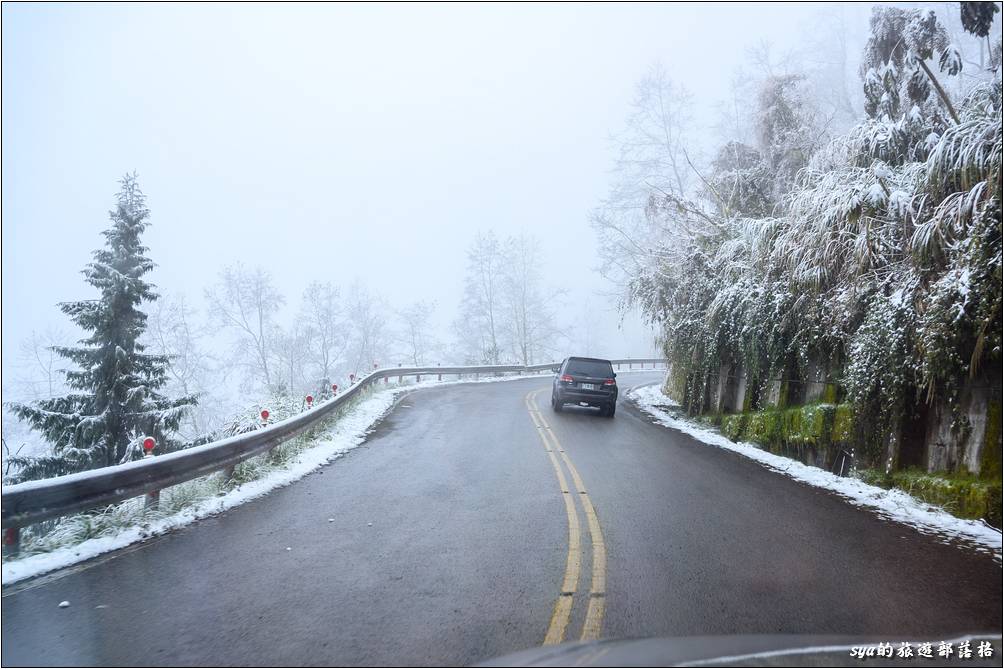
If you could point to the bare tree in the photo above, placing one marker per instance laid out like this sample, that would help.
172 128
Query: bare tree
416 334
827 58
366 313
42 376
767 63
477 327
734 123
654 160
586 337
529 326
173 331
322 314
7 455
653 148
245 301
292 354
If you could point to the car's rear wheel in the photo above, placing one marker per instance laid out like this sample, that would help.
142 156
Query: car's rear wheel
609 410
555 403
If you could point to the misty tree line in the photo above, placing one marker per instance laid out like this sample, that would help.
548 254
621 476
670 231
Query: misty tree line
872 249
158 367
506 315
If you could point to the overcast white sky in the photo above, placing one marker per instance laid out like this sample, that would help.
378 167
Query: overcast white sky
333 141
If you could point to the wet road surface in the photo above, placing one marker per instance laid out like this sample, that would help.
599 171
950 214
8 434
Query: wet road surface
451 543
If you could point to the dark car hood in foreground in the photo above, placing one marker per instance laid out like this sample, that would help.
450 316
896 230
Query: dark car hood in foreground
742 651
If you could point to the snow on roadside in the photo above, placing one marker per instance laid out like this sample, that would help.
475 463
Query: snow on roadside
347 433
893 504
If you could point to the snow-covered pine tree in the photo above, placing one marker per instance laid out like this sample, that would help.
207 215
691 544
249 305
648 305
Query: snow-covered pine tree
116 403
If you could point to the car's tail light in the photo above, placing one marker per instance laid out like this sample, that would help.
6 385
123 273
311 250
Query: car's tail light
565 378
610 382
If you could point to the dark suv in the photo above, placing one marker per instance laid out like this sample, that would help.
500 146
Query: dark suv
586 382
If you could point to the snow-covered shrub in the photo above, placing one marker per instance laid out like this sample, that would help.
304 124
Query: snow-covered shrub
882 258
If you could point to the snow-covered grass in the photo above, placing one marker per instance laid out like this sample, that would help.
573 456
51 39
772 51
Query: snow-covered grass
56 544
893 505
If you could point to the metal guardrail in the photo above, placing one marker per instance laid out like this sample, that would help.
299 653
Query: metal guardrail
34 501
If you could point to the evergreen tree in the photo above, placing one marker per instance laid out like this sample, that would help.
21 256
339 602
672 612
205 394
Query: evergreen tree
116 403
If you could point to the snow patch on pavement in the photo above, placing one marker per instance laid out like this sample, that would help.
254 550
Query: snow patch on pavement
893 504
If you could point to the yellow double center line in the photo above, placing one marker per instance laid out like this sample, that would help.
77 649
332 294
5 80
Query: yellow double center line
597 590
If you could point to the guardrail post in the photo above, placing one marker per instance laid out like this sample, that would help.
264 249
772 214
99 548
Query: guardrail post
228 473
418 378
439 377
152 498
11 541
400 379
629 366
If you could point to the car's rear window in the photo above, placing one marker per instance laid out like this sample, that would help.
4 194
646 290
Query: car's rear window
590 368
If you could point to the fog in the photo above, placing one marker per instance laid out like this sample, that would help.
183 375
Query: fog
339 142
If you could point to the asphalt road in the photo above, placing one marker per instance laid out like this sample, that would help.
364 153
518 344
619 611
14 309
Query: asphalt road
450 544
